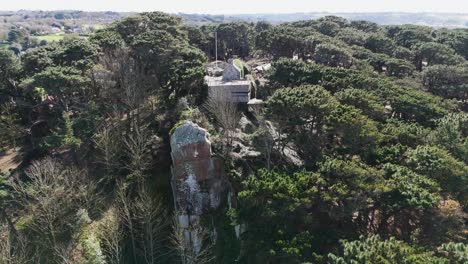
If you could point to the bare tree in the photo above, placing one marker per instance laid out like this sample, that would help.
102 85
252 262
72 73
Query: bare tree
52 197
152 220
266 142
226 114
264 137
13 250
112 237
146 219
120 77
186 251
137 143
126 214
108 143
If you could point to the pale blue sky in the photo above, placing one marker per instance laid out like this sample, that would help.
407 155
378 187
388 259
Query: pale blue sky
241 6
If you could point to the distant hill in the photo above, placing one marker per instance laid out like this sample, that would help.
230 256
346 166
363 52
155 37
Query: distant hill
45 23
54 22
449 20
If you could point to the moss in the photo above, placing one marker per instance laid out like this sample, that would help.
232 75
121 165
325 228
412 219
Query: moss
178 124
187 114
91 246
240 65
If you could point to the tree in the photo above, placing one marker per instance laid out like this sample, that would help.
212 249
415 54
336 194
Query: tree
435 53
365 26
403 53
399 68
328 28
456 39
370 104
378 61
352 36
308 108
10 123
288 72
378 43
350 131
457 252
279 42
9 73
235 39
226 115
447 81
67 83
451 133
438 164
375 250
408 36
52 197
79 53
278 201
161 52
18 35
331 55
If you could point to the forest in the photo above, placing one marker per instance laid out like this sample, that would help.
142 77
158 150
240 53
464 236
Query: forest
359 153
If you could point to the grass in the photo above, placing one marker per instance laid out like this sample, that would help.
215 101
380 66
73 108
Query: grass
51 37
56 37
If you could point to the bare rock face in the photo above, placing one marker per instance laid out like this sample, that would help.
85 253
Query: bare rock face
198 180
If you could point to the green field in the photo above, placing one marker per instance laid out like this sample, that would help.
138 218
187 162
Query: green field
50 38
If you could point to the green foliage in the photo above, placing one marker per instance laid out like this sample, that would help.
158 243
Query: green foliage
447 81
408 36
368 102
67 83
374 250
360 135
451 133
409 134
407 189
331 55
9 71
18 35
235 39
308 108
457 253
272 203
399 68
287 72
378 43
354 132
436 53
63 137
438 164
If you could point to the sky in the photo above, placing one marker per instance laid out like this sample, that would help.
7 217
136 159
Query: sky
241 6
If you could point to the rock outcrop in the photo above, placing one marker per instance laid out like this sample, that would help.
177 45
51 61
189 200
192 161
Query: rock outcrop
198 181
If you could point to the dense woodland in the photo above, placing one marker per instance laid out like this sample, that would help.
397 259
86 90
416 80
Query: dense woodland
363 144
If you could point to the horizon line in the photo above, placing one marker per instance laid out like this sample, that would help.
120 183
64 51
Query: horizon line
246 13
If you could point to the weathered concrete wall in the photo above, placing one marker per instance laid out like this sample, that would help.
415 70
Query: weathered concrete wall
235 92
198 180
231 73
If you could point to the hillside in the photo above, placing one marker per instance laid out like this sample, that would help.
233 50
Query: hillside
449 20
315 141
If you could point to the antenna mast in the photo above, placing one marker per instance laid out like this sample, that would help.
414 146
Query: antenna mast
216 48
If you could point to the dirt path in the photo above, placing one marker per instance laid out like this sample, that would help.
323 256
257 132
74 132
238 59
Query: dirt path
10 159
